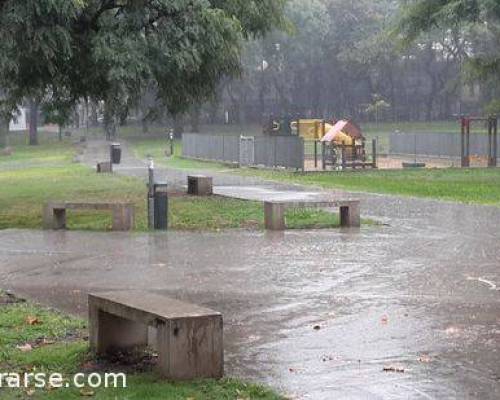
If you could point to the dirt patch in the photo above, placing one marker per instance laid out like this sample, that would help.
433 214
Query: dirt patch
135 360
9 298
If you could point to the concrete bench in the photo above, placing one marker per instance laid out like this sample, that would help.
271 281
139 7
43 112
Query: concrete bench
199 185
189 338
274 212
104 167
54 214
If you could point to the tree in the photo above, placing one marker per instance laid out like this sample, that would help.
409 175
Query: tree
425 15
377 107
111 50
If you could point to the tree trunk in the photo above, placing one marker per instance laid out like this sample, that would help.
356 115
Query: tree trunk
195 119
109 122
145 125
4 132
178 126
33 122
94 118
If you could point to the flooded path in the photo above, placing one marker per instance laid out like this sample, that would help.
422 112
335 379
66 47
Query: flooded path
316 314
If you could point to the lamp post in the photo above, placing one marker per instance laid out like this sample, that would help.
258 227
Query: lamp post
171 138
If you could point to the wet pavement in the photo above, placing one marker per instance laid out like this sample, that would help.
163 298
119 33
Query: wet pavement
316 314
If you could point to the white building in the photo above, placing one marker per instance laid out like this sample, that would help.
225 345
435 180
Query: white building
19 122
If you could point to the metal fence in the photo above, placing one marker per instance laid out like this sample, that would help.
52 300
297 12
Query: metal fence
436 144
268 151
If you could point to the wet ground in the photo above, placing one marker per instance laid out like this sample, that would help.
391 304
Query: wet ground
316 314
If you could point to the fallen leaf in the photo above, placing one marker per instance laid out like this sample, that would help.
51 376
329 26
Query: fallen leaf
25 347
394 368
384 320
86 392
424 358
33 321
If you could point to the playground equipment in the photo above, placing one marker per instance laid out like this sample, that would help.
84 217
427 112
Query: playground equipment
492 123
311 129
279 127
343 146
342 143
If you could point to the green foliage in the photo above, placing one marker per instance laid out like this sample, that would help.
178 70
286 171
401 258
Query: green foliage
493 108
112 49
425 15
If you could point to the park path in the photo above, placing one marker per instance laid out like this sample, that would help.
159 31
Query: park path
316 314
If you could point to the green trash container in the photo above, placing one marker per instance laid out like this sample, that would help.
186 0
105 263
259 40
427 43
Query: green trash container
115 153
160 206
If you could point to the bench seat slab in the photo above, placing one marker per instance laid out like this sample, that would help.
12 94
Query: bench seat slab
189 338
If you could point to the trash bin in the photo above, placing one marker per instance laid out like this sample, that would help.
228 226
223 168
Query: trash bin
160 206
115 153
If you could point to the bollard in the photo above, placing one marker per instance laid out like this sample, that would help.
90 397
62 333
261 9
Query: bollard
160 206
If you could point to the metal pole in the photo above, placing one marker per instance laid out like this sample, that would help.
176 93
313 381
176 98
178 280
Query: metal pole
467 143
171 136
323 155
374 153
415 148
151 181
462 142
495 141
315 154
490 145
492 142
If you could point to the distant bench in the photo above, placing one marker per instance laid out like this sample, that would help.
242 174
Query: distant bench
200 185
54 213
189 338
274 211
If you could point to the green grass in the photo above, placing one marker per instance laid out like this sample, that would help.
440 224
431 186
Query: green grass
58 346
223 213
477 185
414 127
35 175
144 148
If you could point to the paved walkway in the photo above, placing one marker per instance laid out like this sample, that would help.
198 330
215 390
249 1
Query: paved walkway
421 294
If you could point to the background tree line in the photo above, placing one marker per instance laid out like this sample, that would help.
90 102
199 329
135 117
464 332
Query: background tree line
238 61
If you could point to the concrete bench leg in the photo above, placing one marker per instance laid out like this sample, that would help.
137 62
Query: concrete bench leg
200 185
108 332
349 216
104 167
274 216
54 218
191 348
123 218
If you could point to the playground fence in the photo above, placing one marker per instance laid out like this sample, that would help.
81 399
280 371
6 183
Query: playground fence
268 151
436 144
